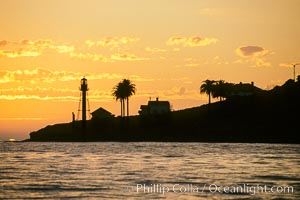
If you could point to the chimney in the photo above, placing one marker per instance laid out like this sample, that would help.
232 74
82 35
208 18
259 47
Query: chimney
252 83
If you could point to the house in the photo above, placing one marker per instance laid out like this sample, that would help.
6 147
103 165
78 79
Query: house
101 113
243 89
155 108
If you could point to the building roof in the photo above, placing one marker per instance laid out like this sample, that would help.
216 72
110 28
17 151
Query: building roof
245 87
158 103
101 112
144 106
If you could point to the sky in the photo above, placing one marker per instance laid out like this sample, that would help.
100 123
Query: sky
166 48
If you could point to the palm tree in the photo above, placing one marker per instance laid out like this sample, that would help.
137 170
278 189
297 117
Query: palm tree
129 90
228 89
207 88
117 92
122 91
218 89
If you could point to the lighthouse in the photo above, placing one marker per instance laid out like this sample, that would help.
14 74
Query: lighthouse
83 89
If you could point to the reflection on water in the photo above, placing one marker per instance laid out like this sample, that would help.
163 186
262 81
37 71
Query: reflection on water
115 170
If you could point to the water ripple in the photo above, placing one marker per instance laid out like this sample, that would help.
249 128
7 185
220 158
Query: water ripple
113 170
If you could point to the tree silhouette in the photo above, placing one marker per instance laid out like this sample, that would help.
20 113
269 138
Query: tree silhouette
207 88
129 90
122 91
118 93
228 89
219 89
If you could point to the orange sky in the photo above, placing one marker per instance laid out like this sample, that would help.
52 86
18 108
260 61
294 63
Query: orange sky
167 48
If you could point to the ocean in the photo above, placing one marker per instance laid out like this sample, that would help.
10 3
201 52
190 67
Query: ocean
150 170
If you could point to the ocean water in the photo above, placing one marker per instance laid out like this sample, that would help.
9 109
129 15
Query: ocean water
33 170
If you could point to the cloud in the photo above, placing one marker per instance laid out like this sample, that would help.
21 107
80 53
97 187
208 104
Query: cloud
253 54
197 41
285 65
95 95
37 97
259 62
91 57
111 58
50 93
47 76
196 62
111 41
29 48
247 51
43 79
254 61
154 50
19 53
176 40
34 48
288 64
191 41
192 65
126 57
63 48
137 78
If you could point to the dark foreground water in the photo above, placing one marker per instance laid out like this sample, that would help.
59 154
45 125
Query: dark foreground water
149 171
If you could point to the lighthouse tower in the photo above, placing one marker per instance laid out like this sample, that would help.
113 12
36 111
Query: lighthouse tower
84 89
83 99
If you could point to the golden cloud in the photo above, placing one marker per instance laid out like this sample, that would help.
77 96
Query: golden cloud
259 62
19 53
41 92
91 57
285 65
288 64
176 40
192 65
154 50
102 58
48 76
37 97
50 93
111 41
247 51
253 54
191 41
28 48
126 57
96 95
63 48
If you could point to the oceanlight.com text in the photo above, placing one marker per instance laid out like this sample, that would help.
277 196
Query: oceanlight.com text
251 189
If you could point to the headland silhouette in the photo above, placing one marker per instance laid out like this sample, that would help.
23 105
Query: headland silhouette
245 113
